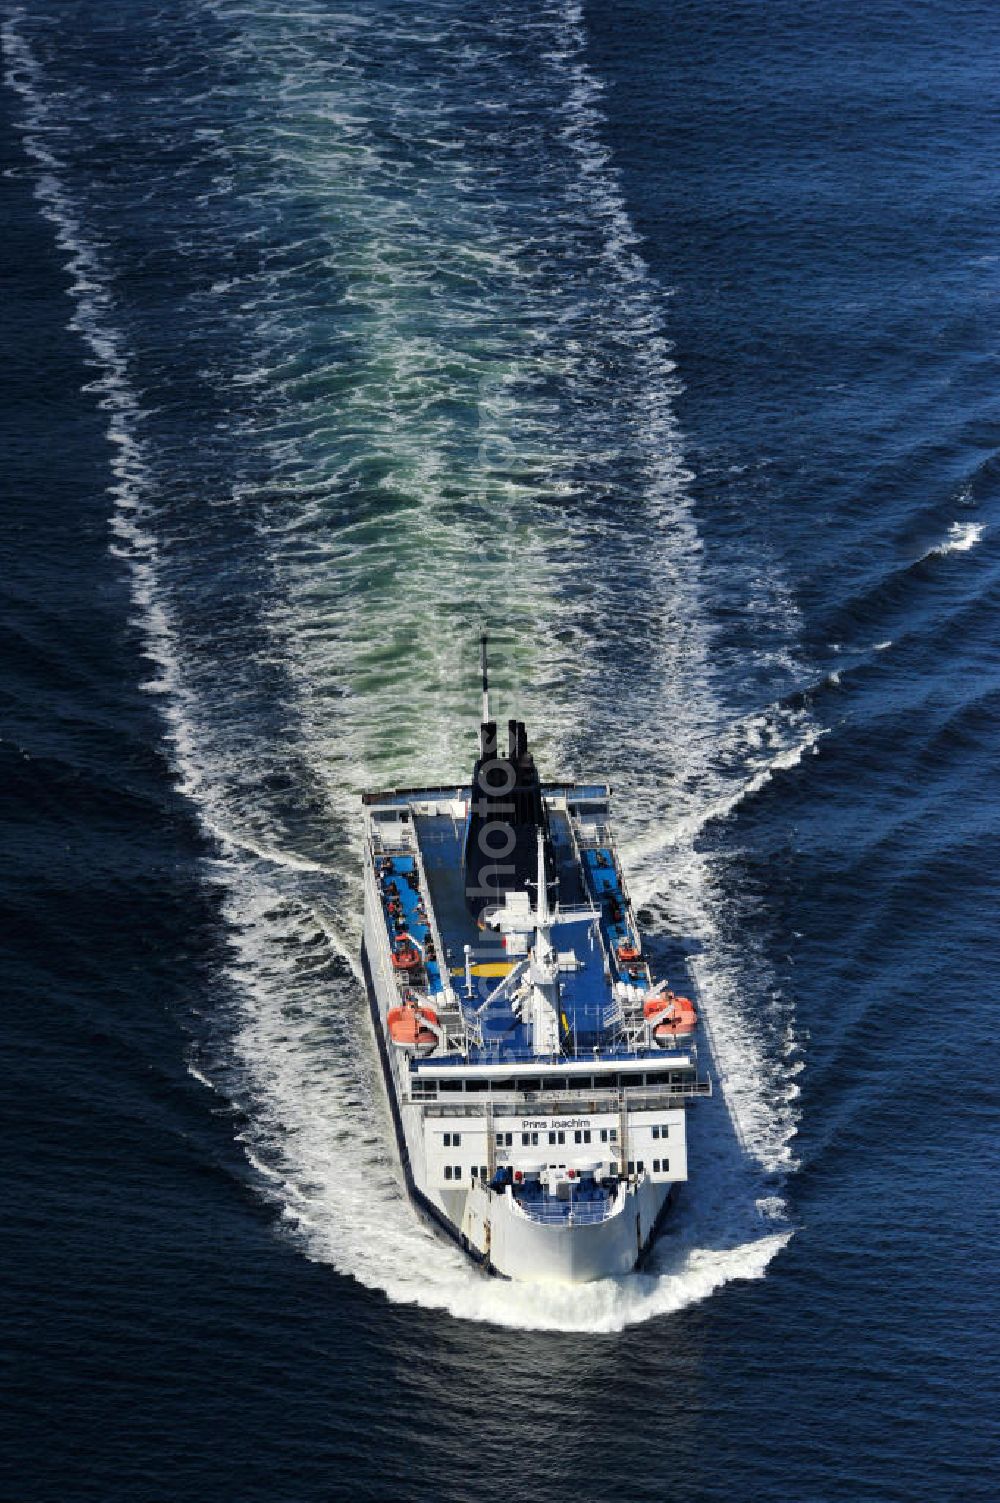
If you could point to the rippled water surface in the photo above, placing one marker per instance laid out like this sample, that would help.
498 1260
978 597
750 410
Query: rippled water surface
664 338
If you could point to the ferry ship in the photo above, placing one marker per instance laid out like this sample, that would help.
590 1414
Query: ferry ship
537 1074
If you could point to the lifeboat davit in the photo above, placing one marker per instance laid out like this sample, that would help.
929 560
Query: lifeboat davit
408 1027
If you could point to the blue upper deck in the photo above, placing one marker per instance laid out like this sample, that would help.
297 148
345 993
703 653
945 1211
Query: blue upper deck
588 877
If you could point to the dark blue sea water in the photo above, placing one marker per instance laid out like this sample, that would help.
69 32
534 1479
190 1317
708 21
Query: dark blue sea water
666 338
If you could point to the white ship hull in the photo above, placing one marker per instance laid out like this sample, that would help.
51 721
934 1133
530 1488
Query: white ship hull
490 1224
538 1077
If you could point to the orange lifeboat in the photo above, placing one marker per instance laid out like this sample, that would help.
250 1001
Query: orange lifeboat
627 950
406 956
408 1027
680 1020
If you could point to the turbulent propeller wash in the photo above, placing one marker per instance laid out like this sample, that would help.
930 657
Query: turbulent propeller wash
538 1077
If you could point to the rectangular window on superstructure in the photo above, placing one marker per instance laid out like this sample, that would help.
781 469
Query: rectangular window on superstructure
656 1132
525 1139
604 1134
458 1171
631 1167
560 1137
474 1171
447 1140
447 1171
534 1140
552 1137
640 1166
614 1135
456 1140
578 1136
665 1165
664 1131
482 1171
586 1135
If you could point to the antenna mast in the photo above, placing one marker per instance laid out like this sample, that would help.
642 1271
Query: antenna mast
486 684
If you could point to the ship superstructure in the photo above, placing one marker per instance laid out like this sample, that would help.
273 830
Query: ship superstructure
538 1077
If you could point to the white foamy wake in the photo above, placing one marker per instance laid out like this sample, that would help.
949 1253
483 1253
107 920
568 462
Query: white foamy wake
962 536
293 1043
753 1044
789 738
93 320
199 765
341 1193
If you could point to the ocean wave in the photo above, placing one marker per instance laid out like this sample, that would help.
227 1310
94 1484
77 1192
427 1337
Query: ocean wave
962 536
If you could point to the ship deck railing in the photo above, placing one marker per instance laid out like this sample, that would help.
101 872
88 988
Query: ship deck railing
462 1028
450 998
450 1016
601 838
592 836
554 1104
568 1212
